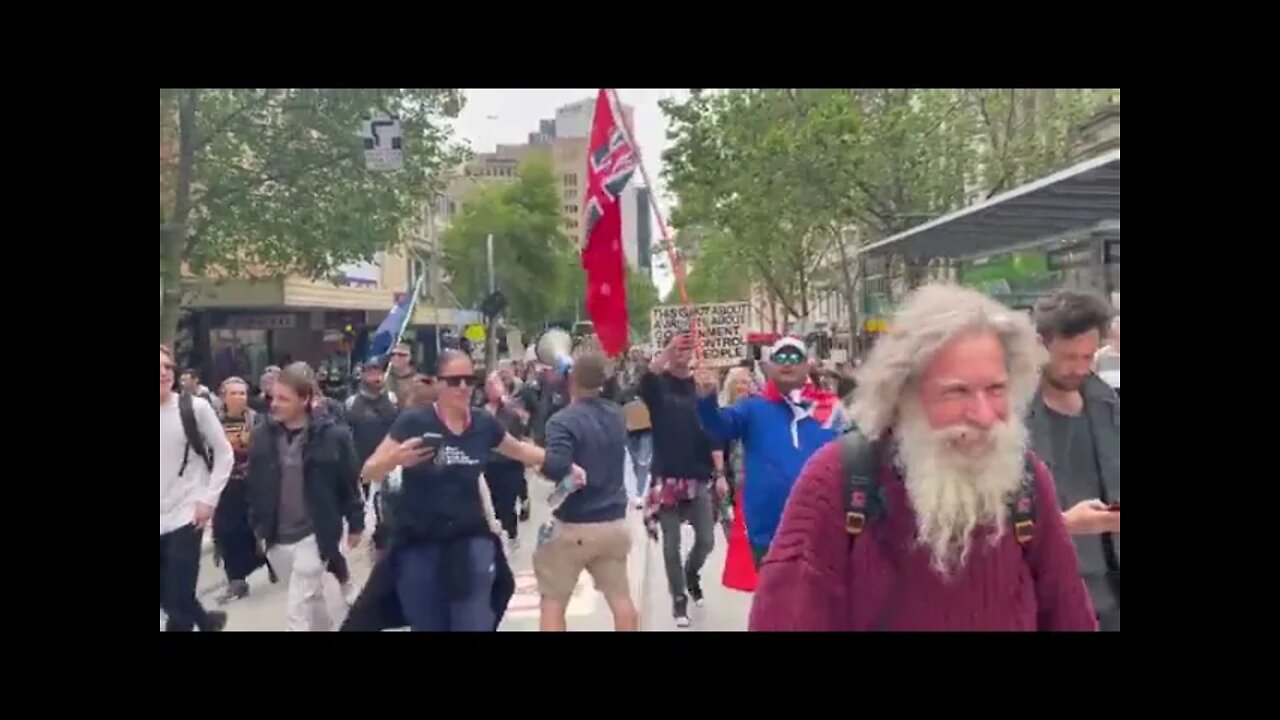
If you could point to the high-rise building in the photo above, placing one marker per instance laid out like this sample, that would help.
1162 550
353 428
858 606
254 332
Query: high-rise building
572 137
636 226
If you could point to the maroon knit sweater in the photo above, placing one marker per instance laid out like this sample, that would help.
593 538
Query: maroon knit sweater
811 580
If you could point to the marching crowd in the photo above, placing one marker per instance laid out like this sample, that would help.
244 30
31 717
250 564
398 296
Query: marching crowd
970 480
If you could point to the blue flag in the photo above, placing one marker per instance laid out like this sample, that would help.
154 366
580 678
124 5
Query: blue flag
389 331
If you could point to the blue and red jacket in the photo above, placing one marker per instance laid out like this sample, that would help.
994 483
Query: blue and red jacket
779 435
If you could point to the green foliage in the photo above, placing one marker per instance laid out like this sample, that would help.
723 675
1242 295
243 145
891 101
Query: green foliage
715 275
531 254
284 182
277 183
767 179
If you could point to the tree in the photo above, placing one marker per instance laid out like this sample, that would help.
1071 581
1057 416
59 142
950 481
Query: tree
529 249
785 175
271 182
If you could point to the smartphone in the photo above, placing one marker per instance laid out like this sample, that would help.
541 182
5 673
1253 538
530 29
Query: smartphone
432 439
1114 506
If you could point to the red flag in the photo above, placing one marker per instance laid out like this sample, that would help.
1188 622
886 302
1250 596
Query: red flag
739 563
610 163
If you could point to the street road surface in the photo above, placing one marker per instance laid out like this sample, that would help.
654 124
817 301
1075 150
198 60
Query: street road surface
724 609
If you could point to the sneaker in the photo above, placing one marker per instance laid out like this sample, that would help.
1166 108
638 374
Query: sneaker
217 621
681 612
695 587
236 590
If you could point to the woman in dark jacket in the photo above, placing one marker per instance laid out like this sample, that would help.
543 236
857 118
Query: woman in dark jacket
446 567
303 483
232 534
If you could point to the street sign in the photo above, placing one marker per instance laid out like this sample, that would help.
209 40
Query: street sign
382 141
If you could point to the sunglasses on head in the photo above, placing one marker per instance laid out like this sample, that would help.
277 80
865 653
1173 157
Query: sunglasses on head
787 357
458 381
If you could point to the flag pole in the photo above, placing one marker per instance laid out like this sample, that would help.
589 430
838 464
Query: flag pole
677 266
408 316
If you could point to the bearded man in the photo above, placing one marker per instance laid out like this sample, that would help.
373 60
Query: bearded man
933 515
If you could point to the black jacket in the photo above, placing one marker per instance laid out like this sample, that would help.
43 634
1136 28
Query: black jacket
378 606
332 475
369 420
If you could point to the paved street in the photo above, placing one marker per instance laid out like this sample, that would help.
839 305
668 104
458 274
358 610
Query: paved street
725 610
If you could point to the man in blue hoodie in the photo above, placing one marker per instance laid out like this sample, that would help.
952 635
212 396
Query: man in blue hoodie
780 430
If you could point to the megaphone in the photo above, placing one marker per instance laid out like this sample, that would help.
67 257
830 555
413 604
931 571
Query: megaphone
554 348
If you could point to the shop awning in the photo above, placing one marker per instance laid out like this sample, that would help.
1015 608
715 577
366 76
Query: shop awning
1077 199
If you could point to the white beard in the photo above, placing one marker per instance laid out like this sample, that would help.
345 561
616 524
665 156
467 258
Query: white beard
954 493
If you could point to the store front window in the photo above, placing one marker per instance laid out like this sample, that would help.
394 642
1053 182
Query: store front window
238 352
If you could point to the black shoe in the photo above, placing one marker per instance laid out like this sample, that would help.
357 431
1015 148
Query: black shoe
695 587
217 621
681 611
524 511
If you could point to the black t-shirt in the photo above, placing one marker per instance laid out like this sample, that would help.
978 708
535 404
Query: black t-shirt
440 499
681 447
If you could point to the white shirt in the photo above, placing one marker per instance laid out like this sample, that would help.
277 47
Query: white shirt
179 495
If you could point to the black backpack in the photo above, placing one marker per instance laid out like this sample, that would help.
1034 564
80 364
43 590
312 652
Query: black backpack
190 428
864 499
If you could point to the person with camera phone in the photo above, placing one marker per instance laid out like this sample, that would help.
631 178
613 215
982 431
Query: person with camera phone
444 554
1074 423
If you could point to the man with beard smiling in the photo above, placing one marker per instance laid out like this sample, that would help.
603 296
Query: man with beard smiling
932 516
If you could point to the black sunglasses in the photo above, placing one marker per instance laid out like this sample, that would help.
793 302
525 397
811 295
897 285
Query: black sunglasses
458 381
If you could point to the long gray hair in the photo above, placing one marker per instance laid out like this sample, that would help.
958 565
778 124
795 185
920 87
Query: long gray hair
931 317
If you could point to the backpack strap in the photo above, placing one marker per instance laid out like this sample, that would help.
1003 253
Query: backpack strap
862 497
191 428
1022 509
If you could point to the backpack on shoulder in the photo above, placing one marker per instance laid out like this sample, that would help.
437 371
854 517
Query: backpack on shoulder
865 502
195 439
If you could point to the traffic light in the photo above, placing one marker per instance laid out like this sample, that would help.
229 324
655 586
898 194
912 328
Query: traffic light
493 304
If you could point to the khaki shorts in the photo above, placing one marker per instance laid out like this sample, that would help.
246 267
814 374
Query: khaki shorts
599 548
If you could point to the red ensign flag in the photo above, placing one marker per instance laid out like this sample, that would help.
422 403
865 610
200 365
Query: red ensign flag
610 163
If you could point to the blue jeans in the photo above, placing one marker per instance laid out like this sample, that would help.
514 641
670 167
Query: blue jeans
640 445
423 599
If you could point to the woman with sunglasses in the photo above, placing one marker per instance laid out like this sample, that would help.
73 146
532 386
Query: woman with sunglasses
444 555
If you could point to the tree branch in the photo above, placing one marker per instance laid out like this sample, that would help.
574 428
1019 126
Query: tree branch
225 122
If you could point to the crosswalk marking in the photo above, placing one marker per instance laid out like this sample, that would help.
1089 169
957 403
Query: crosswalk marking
525 602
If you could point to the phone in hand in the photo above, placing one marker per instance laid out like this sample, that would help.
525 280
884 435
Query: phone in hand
432 439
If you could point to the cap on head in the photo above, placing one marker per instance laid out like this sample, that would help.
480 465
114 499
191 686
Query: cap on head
789 341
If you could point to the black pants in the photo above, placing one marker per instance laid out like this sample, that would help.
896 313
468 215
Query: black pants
232 533
505 482
179 569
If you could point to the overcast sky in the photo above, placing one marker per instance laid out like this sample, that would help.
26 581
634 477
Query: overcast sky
507 116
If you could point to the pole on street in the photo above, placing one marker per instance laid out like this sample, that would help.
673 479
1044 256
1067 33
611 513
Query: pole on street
677 264
490 342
